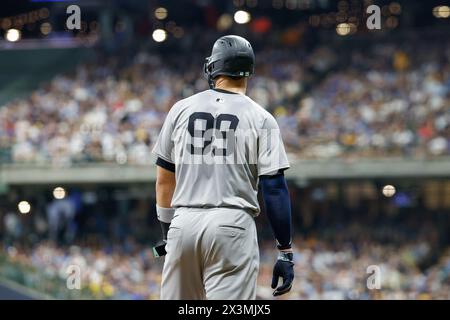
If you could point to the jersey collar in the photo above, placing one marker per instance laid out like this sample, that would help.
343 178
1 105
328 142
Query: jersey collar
224 91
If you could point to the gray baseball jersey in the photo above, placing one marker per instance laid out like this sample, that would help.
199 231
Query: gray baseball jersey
220 143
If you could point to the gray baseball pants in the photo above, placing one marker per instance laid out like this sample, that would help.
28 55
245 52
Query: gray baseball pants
211 254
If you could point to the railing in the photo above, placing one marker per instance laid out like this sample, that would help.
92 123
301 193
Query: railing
46 285
17 174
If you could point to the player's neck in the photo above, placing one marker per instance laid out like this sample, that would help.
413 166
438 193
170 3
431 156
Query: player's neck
232 89
231 85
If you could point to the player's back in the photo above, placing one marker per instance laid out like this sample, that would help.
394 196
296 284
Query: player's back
220 142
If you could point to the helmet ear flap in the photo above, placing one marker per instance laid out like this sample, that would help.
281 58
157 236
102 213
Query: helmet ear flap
205 66
207 72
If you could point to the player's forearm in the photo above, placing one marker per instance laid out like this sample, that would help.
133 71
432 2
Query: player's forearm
164 194
165 187
278 208
163 208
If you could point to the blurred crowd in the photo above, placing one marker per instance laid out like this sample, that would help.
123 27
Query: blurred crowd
339 246
105 273
389 101
324 270
113 112
384 99
379 100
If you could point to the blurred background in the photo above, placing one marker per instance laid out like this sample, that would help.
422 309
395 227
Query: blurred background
359 110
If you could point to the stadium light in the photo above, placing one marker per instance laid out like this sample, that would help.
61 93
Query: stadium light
159 35
44 13
441 11
224 22
59 193
161 13
24 207
242 17
46 28
392 22
343 29
388 190
445 11
395 8
13 35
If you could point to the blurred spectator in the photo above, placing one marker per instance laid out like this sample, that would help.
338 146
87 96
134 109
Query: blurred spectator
324 269
12 227
384 100
60 217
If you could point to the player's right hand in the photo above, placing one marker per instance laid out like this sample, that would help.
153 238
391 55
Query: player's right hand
284 268
160 249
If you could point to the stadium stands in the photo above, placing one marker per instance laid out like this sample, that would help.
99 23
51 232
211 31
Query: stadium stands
346 101
376 105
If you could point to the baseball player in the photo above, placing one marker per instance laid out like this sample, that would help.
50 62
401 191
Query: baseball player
213 151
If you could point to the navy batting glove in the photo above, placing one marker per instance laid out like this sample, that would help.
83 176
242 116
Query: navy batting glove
284 268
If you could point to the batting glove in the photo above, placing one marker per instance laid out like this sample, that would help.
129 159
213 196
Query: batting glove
160 249
284 268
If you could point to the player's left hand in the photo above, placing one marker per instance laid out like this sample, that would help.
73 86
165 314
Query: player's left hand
284 268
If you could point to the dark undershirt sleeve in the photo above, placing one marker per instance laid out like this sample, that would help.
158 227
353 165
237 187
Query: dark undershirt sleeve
165 164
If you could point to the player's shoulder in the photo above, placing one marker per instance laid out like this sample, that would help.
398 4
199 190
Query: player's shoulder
182 104
186 102
256 107
198 95
258 110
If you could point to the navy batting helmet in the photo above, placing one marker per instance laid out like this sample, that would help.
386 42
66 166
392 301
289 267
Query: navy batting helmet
231 56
